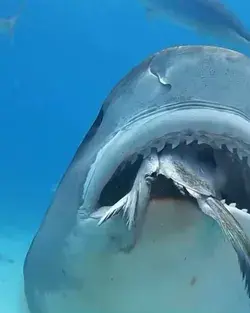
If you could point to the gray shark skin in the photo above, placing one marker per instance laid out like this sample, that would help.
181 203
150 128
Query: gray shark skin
176 96
207 16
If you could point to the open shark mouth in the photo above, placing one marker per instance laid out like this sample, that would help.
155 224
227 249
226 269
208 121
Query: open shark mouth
235 192
177 126
167 174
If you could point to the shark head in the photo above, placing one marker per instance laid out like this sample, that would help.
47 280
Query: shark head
187 95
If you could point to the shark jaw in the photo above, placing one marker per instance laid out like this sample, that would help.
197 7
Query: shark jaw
181 258
181 264
194 96
226 139
221 136
206 246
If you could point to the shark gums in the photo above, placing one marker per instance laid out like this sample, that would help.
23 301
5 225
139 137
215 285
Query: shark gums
152 213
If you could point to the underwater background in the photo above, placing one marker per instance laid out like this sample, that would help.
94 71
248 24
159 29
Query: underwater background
57 65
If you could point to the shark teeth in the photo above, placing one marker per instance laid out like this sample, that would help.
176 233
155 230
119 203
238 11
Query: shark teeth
230 148
159 145
217 143
201 141
134 158
128 201
146 152
189 140
175 142
240 155
237 149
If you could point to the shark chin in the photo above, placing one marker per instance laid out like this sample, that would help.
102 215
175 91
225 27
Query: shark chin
181 264
175 259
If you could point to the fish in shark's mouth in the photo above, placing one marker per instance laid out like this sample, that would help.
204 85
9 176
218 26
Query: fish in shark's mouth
177 126
194 172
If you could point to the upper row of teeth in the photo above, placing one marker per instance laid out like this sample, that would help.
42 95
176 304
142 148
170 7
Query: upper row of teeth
218 143
231 145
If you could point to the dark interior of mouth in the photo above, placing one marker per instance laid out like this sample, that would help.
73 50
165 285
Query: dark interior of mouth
236 189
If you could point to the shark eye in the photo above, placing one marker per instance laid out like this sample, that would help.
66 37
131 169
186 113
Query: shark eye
95 126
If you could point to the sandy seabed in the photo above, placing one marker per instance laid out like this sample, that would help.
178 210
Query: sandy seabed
14 244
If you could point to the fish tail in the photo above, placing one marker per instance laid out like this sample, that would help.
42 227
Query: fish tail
127 204
234 233
114 209
246 37
243 34
13 20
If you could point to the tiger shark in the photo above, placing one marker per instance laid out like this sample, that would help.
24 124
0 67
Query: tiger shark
210 17
152 214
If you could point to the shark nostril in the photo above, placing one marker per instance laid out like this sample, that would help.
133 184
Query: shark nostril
164 81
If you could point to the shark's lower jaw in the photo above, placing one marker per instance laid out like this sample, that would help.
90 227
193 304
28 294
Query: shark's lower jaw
229 155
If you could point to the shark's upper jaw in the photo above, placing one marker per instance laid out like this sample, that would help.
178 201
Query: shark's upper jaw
182 93
226 158
223 132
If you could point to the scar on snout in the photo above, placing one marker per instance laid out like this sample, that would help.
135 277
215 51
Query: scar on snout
193 281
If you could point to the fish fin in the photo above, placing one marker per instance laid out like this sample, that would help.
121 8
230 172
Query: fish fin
113 210
127 204
232 231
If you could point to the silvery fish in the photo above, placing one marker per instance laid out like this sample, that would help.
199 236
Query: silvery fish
123 234
211 17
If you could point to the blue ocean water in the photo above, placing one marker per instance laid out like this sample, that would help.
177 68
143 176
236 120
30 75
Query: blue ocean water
62 61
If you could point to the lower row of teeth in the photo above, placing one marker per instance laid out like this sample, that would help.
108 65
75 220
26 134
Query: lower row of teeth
139 196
